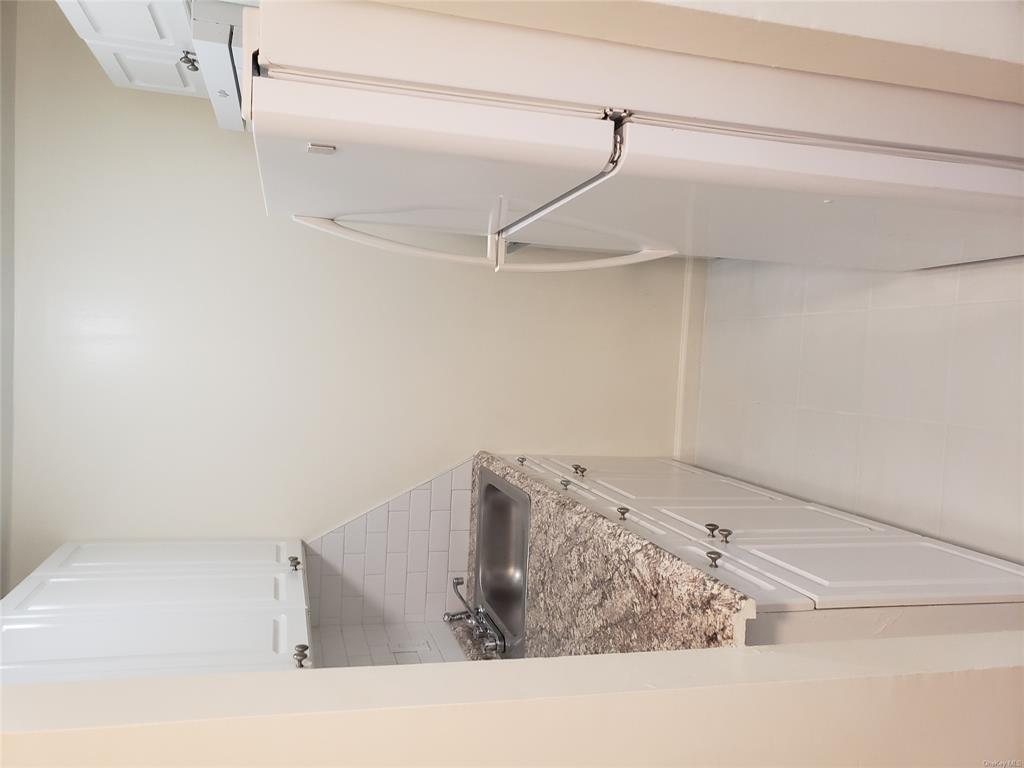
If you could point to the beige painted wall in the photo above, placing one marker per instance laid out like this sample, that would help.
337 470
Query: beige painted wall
187 367
7 48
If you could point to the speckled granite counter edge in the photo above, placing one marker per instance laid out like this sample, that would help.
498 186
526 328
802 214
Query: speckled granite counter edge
596 587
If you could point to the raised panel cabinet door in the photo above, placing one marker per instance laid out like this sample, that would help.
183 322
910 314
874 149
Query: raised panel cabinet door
773 521
769 595
77 594
155 24
681 486
151 69
172 555
619 465
878 571
130 643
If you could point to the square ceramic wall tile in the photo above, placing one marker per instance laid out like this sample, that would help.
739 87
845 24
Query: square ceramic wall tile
986 385
776 289
769 443
836 290
832 362
355 535
828 451
906 361
914 289
333 553
460 510
901 466
728 289
398 530
462 476
441 491
419 510
720 433
417 560
376 552
775 359
1001 280
377 519
725 360
983 503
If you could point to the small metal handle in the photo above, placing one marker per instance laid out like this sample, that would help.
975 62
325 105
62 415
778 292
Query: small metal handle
565 484
295 562
576 469
450 617
725 533
714 558
712 527
300 655
623 511
521 460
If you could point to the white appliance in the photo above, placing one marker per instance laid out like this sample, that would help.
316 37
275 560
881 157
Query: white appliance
367 115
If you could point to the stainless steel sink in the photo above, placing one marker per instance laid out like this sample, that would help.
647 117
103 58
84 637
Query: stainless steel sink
502 551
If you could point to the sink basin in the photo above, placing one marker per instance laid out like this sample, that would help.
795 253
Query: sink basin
502 549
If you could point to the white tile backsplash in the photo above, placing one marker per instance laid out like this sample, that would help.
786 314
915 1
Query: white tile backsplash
383 565
417 560
907 400
985 382
832 362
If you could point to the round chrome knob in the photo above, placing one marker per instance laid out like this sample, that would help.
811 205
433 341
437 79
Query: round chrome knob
725 533
565 484
712 527
300 655
714 557
521 460
294 562
623 511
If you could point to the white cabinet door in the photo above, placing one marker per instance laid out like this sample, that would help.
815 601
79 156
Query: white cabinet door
618 465
681 486
44 594
187 554
879 571
138 42
78 647
775 521
116 608
769 595
151 69
156 24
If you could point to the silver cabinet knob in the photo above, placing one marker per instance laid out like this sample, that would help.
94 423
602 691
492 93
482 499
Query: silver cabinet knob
712 527
623 511
565 484
725 533
521 460
300 655
295 562
714 557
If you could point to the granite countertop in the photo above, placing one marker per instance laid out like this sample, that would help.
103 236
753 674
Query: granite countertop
597 587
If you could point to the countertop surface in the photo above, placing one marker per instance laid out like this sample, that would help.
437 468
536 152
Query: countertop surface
596 587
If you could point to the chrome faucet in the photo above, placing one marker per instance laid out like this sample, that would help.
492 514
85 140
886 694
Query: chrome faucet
488 635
